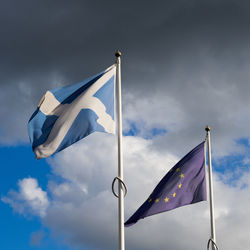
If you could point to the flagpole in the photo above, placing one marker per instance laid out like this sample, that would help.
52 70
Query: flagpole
211 198
120 156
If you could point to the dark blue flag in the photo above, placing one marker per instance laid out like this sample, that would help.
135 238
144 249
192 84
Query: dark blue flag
184 184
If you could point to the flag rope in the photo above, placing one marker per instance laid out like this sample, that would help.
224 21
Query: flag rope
122 184
213 244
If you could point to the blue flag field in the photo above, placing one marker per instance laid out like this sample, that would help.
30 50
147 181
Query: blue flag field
67 114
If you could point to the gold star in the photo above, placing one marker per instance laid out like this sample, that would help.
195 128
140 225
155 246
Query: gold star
178 170
174 194
182 175
157 200
171 170
166 199
149 200
180 185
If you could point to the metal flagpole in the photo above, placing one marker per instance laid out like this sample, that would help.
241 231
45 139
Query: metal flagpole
120 158
212 240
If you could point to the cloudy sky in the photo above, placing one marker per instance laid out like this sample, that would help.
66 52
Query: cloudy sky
185 65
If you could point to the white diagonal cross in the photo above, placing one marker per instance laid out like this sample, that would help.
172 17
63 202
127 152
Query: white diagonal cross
67 114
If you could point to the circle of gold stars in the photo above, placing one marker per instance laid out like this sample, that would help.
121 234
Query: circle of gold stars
173 195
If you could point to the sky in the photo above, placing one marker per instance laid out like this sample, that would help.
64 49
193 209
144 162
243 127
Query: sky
184 65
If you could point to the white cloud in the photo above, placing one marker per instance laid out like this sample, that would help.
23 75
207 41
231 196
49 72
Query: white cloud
84 211
29 199
85 200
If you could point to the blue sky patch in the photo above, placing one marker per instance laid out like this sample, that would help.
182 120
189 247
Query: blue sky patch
139 129
231 168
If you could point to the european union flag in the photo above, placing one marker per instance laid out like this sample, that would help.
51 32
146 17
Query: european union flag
67 114
184 184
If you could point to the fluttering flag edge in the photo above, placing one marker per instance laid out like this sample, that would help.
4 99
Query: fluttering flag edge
131 221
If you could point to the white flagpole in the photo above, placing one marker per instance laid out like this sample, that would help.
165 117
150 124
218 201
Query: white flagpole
211 198
120 156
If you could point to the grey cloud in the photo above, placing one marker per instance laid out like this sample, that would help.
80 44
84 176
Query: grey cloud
186 51
72 38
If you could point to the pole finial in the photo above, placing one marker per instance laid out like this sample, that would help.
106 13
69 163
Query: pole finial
207 128
118 53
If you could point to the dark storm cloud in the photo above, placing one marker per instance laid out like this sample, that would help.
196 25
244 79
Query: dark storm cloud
168 47
71 37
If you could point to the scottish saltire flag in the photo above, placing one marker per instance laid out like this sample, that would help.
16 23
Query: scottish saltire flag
68 114
184 184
